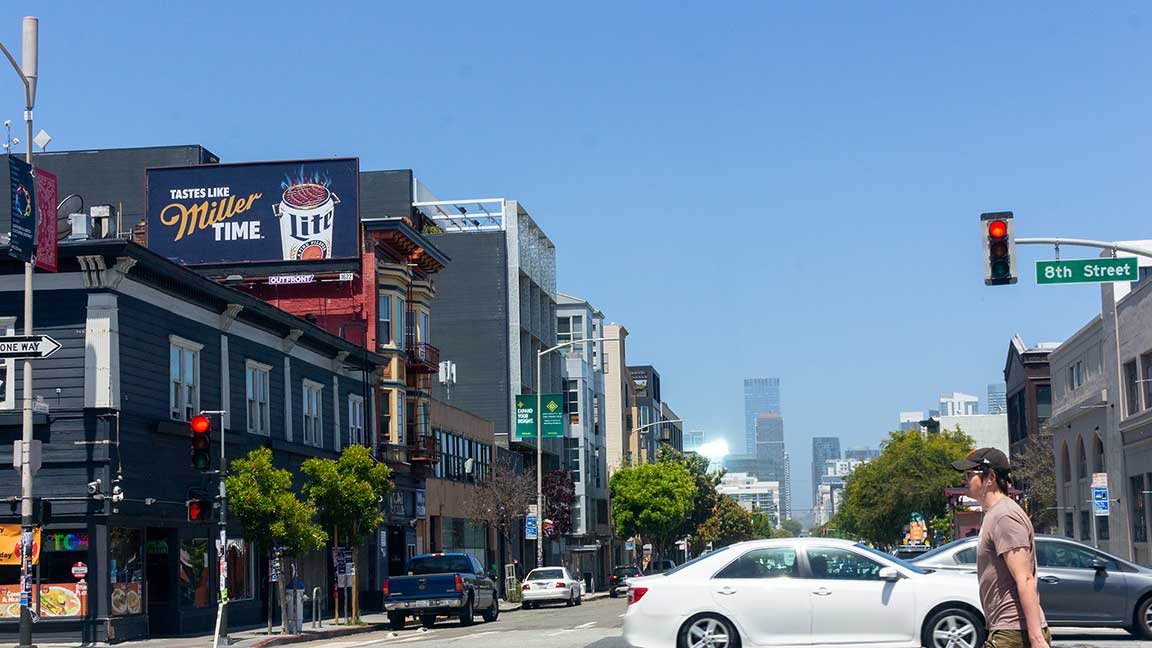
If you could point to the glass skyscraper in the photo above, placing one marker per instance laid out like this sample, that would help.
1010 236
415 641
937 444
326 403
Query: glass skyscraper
761 396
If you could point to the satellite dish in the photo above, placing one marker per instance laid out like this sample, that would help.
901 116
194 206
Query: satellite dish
73 203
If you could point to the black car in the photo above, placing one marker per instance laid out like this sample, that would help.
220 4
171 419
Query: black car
617 579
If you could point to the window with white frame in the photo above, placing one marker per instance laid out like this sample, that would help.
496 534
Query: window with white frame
355 419
256 377
313 421
184 373
384 320
7 368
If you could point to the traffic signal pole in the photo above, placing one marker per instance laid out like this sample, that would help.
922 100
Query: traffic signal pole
221 634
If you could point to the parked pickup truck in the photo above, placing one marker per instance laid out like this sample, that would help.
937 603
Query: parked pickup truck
441 584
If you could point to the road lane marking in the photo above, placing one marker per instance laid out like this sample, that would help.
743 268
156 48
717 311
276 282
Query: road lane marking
585 625
474 635
553 634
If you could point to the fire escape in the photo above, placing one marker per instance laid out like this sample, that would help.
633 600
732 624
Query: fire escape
422 360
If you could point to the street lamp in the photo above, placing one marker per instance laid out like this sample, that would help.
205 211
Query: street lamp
636 430
28 75
540 446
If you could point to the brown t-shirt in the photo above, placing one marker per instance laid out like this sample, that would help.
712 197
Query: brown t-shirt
1006 526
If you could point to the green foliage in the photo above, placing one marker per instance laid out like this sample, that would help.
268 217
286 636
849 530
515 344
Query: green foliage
652 500
728 524
705 497
762 526
261 497
348 492
909 476
792 527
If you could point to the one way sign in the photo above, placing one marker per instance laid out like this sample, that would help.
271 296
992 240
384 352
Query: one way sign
28 346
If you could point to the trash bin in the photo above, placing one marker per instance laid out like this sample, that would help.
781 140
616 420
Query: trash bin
295 612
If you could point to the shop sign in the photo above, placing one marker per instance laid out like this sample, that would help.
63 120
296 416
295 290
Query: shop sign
396 504
54 599
10 535
79 570
421 506
66 541
126 599
277 280
267 211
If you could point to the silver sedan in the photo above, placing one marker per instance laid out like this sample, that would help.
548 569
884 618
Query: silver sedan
1079 585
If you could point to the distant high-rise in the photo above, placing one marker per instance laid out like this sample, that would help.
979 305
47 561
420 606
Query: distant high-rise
861 454
997 399
910 420
958 404
693 439
823 449
761 396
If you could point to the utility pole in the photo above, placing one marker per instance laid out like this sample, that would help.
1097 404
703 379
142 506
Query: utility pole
28 74
221 634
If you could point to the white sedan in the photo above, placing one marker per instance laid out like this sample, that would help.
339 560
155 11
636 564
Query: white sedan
802 592
550 585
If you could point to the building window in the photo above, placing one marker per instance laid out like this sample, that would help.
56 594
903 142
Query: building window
184 369
1146 368
1065 465
1043 404
383 320
569 328
422 332
572 458
1139 528
1098 455
126 569
1081 460
1131 393
195 573
256 377
1017 418
572 400
313 421
356 420
386 416
1085 530
1075 375
241 570
7 368
1102 527
1069 531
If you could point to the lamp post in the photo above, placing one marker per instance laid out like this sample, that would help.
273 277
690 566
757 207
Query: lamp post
28 74
635 430
539 445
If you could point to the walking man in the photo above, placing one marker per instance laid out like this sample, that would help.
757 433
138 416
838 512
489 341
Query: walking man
1005 555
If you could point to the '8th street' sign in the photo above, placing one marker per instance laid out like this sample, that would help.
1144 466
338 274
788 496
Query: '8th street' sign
1087 270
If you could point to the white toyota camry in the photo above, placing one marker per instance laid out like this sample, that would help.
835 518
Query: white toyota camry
803 592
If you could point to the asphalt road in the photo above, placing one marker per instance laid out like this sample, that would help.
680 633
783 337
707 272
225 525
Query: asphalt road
597 624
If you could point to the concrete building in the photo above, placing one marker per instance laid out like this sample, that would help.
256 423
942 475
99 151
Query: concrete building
863 454
585 450
1029 390
649 410
959 404
997 399
986 430
830 488
619 400
910 420
824 449
753 494
672 431
761 396
468 449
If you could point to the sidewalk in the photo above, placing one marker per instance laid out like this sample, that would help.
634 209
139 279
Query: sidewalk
258 637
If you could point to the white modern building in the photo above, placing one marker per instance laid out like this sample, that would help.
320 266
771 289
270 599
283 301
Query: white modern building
830 490
986 430
910 420
959 404
753 494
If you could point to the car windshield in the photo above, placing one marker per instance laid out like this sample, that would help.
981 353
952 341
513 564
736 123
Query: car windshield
695 560
892 559
941 549
545 574
625 571
439 565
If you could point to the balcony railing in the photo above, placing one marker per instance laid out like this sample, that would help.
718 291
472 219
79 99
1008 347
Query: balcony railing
422 357
424 448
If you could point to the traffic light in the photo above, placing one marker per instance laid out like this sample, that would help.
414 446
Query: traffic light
199 509
999 238
201 443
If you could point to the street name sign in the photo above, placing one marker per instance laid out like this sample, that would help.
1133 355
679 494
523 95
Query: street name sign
1087 270
28 346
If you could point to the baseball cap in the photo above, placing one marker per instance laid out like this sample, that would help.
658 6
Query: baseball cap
984 458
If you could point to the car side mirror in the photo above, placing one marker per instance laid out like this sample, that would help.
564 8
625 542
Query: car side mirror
493 576
1099 565
889 574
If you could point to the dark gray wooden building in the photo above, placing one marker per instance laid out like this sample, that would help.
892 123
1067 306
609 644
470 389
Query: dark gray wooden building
147 344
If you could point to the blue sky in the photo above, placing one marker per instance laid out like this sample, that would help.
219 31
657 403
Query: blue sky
778 189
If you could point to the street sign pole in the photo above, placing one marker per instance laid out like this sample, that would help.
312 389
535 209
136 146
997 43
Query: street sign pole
539 459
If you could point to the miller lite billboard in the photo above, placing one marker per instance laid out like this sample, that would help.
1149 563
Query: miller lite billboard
262 211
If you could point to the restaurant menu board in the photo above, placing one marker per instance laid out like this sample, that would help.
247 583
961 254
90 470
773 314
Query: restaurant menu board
55 599
126 599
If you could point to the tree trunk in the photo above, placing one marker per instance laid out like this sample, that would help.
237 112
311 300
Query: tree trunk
355 573
336 569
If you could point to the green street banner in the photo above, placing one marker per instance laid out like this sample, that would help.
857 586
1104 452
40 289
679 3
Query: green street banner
551 422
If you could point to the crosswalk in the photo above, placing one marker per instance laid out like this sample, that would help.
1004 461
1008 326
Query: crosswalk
438 635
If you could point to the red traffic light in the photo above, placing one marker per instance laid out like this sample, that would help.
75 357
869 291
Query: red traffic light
194 511
200 424
997 229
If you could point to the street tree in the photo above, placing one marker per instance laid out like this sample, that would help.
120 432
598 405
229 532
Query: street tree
728 524
500 498
705 496
762 526
260 496
348 493
909 476
1034 472
559 496
653 501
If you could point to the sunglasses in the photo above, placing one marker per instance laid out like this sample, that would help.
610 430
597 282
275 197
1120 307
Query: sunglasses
968 474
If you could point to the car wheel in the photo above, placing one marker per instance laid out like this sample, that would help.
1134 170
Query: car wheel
396 620
708 631
1142 620
571 599
493 612
953 628
611 594
427 620
466 613
579 599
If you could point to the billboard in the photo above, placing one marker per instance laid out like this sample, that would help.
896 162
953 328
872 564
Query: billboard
263 211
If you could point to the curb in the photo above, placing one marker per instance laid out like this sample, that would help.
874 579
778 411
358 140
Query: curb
315 636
